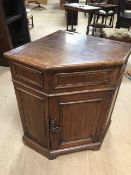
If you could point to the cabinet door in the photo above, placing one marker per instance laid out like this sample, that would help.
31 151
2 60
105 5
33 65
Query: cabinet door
78 119
34 115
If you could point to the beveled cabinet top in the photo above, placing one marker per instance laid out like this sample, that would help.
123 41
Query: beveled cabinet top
65 49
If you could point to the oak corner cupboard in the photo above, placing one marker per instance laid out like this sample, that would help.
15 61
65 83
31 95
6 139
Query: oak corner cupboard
66 86
13 27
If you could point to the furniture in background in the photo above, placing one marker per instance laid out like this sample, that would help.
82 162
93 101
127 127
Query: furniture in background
61 3
104 14
123 17
38 3
66 95
128 4
117 34
13 26
96 1
30 19
70 8
72 14
108 11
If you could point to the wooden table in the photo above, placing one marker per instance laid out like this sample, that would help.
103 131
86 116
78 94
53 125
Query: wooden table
104 6
66 86
73 14
70 8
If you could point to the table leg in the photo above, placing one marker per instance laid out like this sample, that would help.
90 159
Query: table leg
67 24
86 4
112 20
90 16
94 20
70 20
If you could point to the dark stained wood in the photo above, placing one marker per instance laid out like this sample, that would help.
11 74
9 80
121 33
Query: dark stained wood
79 116
13 26
72 14
128 4
72 8
104 6
59 51
6 43
81 8
123 17
66 87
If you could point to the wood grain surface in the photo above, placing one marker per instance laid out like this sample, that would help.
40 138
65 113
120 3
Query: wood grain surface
64 49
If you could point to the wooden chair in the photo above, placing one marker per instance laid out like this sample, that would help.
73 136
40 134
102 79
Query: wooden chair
123 17
104 15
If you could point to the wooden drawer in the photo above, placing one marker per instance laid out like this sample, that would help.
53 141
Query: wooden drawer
85 78
55 82
27 75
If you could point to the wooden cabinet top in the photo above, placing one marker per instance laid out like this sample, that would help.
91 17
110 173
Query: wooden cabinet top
64 49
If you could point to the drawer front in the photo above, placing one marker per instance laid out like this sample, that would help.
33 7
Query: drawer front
85 78
27 75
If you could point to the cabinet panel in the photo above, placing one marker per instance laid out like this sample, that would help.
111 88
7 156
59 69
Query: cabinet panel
82 79
76 115
32 109
80 118
85 78
27 75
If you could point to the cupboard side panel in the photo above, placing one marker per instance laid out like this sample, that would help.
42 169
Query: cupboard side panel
32 112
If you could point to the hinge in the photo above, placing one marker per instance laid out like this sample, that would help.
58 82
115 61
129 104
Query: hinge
53 127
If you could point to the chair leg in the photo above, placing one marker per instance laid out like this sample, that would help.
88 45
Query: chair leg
97 18
87 31
110 23
112 20
32 21
85 4
90 17
102 19
101 33
94 28
93 31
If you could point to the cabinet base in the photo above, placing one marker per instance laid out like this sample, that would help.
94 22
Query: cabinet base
52 154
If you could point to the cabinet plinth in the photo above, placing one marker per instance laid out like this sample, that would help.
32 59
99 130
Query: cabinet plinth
66 86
